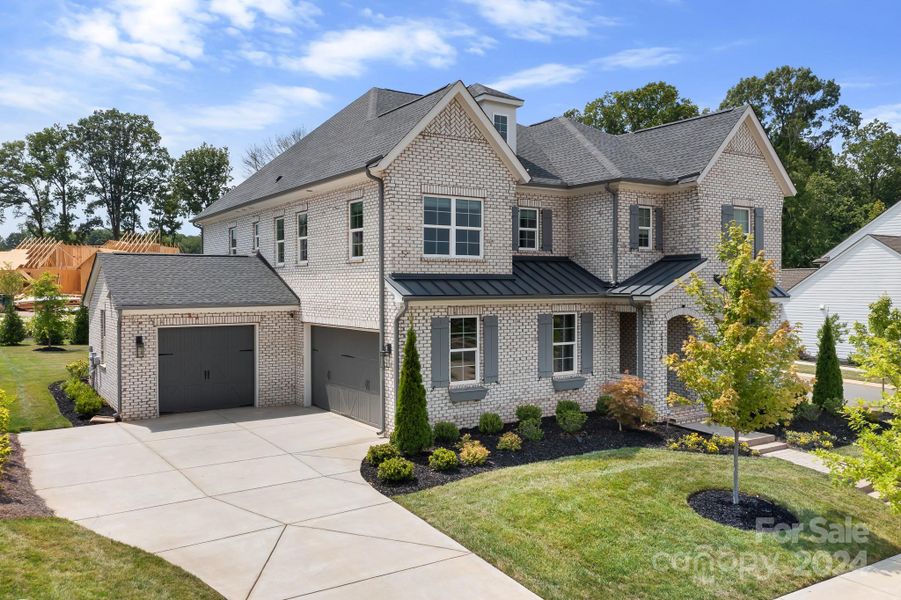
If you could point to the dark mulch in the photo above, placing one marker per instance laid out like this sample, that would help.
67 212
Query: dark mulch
716 505
50 349
17 497
837 425
67 407
599 434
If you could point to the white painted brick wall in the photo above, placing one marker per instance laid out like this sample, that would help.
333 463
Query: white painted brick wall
106 375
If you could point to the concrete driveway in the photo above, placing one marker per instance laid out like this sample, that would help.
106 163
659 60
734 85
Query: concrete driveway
259 503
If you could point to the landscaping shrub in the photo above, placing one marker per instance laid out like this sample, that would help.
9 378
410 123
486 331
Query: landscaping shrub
49 321
601 406
530 430
810 440
446 433
78 369
79 333
490 423
472 452
828 388
443 459
716 444
87 402
571 421
395 469
808 411
510 442
12 330
412 432
5 447
524 412
378 454
625 402
567 406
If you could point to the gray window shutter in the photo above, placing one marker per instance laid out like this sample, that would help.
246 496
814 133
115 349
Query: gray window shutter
758 230
489 343
658 229
587 326
728 215
547 229
515 228
440 352
545 345
633 227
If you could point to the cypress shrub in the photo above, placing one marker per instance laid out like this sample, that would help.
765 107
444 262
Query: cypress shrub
12 331
412 433
80 326
828 389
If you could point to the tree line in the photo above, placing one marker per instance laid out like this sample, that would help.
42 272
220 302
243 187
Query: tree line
846 171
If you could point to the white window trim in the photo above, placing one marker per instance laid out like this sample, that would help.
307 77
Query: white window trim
302 261
233 241
277 242
255 235
573 343
750 213
451 351
506 135
649 228
351 231
453 228
536 229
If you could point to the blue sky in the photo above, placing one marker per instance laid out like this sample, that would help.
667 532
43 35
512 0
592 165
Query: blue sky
232 72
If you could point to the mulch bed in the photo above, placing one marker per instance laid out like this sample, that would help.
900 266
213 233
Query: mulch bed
67 407
837 425
17 497
599 433
50 349
716 505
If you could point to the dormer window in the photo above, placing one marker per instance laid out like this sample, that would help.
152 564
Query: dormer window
500 123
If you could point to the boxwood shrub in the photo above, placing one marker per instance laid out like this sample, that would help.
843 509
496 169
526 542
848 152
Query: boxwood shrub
490 423
446 433
395 469
524 412
378 454
443 459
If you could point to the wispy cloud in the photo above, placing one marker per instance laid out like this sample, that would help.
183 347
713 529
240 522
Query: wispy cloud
541 76
263 107
16 93
346 52
244 13
641 58
538 20
889 113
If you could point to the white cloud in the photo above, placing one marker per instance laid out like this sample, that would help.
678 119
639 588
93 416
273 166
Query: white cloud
265 106
641 58
481 44
889 113
345 53
542 76
16 93
243 13
537 20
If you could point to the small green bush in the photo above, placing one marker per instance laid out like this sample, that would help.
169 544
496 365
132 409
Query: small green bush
828 387
524 412
378 454
5 447
79 330
87 402
395 469
472 452
490 423
443 459
810 440
446 433
808 411
530 430
567 406
12 330
510 442
78 369
571 421
601 406
716 444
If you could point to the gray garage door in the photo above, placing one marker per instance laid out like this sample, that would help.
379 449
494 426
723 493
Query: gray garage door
345 373
203 368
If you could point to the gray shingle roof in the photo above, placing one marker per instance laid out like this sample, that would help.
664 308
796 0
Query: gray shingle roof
477 89
659 275
892 241
532 277
792 277
191 281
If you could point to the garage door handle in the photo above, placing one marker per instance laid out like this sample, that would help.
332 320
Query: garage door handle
328 375
347 356
248 350
166 354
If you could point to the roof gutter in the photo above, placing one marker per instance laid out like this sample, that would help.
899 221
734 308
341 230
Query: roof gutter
384 350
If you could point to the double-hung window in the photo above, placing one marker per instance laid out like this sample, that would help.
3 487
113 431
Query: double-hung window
232 240
742 216
279 241
645 227
356 229
452 227
464 349
255 235
564 343
302 241
500 123
528 228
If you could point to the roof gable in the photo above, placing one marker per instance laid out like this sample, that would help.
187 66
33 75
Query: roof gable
892 244
888 223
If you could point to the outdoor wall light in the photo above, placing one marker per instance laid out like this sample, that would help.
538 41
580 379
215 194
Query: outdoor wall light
139 345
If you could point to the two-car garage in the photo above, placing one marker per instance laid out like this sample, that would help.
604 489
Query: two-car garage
344 372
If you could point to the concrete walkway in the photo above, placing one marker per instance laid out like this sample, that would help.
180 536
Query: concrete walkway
258 503
879 581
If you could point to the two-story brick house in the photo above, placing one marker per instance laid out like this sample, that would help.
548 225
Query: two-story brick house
534 262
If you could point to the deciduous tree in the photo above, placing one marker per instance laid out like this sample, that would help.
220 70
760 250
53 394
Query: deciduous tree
200 177
656 103
53 149
258 155
48 326
24 187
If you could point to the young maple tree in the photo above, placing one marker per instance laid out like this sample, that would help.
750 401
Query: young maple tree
740 365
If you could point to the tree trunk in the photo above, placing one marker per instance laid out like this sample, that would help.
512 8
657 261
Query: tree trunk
735 469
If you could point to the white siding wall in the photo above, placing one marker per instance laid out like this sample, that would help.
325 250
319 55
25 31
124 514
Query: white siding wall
846 286
888 223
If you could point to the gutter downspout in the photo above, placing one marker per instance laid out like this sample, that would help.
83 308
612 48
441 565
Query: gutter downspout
615 232
383 351
397 318
118 364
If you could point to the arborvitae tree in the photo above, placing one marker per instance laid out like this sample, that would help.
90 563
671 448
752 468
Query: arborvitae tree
80 326
12 331
412 433
828 389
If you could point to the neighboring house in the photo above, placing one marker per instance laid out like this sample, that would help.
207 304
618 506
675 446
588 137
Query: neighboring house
534 263
853 275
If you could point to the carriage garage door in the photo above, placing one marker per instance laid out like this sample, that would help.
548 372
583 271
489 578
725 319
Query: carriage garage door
345 373
205 368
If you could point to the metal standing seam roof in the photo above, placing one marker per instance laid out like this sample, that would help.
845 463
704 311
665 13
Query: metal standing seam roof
191 281
531 277
658 276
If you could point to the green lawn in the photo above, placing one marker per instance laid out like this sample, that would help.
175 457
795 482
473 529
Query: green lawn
616 524
26 374
846 373
55 558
